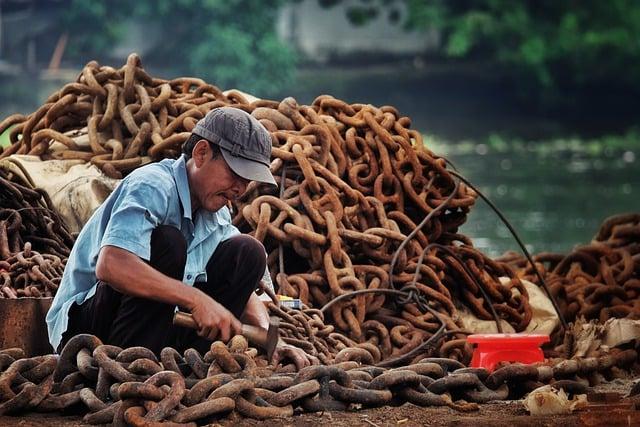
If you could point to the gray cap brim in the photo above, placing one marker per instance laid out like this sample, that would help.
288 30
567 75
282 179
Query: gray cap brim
248 169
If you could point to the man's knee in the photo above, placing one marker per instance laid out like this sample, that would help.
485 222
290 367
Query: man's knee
168 236
248 250
233 272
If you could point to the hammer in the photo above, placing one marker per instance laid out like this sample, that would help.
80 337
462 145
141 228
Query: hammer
265 339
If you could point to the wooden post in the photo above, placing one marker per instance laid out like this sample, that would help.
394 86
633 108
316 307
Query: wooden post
56 58
0 29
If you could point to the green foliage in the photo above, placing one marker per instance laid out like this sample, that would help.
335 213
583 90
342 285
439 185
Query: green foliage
361 15
94 26
549 45
551 48
228 43
4 137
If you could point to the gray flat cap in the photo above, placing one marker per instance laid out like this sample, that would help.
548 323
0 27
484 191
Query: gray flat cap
245 144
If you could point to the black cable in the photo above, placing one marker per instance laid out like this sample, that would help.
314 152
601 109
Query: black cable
413 233
283 181
412 286
464 266
563 322
485 295
390 362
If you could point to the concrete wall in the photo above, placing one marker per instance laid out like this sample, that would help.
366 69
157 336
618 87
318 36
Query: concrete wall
320 33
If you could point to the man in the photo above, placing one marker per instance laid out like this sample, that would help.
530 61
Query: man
164 239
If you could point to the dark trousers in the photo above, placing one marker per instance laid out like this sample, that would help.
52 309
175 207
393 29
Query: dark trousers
233 272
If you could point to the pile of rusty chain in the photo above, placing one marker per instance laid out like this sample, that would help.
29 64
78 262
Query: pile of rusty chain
30 274
307 329
133 387
34 241
355 182
130 117
27 215
600 280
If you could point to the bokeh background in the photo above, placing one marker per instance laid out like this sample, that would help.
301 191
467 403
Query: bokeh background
536 102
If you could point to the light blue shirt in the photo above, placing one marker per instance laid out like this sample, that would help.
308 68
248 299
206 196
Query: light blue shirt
156 194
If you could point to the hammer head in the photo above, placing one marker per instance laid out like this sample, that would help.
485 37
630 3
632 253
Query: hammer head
272 337
267 340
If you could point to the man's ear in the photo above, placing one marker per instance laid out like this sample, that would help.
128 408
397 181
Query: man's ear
201 152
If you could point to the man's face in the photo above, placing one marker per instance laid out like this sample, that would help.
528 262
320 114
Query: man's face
212 183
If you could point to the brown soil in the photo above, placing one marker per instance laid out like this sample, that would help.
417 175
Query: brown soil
496 414
492 414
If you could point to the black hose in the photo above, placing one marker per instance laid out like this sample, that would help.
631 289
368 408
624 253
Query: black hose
563 322
406 295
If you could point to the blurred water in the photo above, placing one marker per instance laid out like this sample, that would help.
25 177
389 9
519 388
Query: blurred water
554 199
24 94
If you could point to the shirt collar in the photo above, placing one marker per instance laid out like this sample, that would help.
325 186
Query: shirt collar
213 219
182 183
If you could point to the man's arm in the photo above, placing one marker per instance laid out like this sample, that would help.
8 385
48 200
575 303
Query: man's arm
129 274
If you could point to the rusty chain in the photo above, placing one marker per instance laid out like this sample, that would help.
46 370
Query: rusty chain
34 241
134 387
28 273
363 204
599 280
355 181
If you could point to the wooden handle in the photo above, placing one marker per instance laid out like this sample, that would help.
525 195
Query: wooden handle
180 318
254 334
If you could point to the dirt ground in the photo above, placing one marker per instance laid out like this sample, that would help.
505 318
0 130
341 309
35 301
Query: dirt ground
491 414
495 414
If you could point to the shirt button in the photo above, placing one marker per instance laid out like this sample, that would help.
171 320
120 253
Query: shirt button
189 277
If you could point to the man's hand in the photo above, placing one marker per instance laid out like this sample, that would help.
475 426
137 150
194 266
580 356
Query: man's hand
299 357
213 320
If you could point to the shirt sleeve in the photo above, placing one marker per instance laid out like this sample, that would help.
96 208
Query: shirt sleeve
138 210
